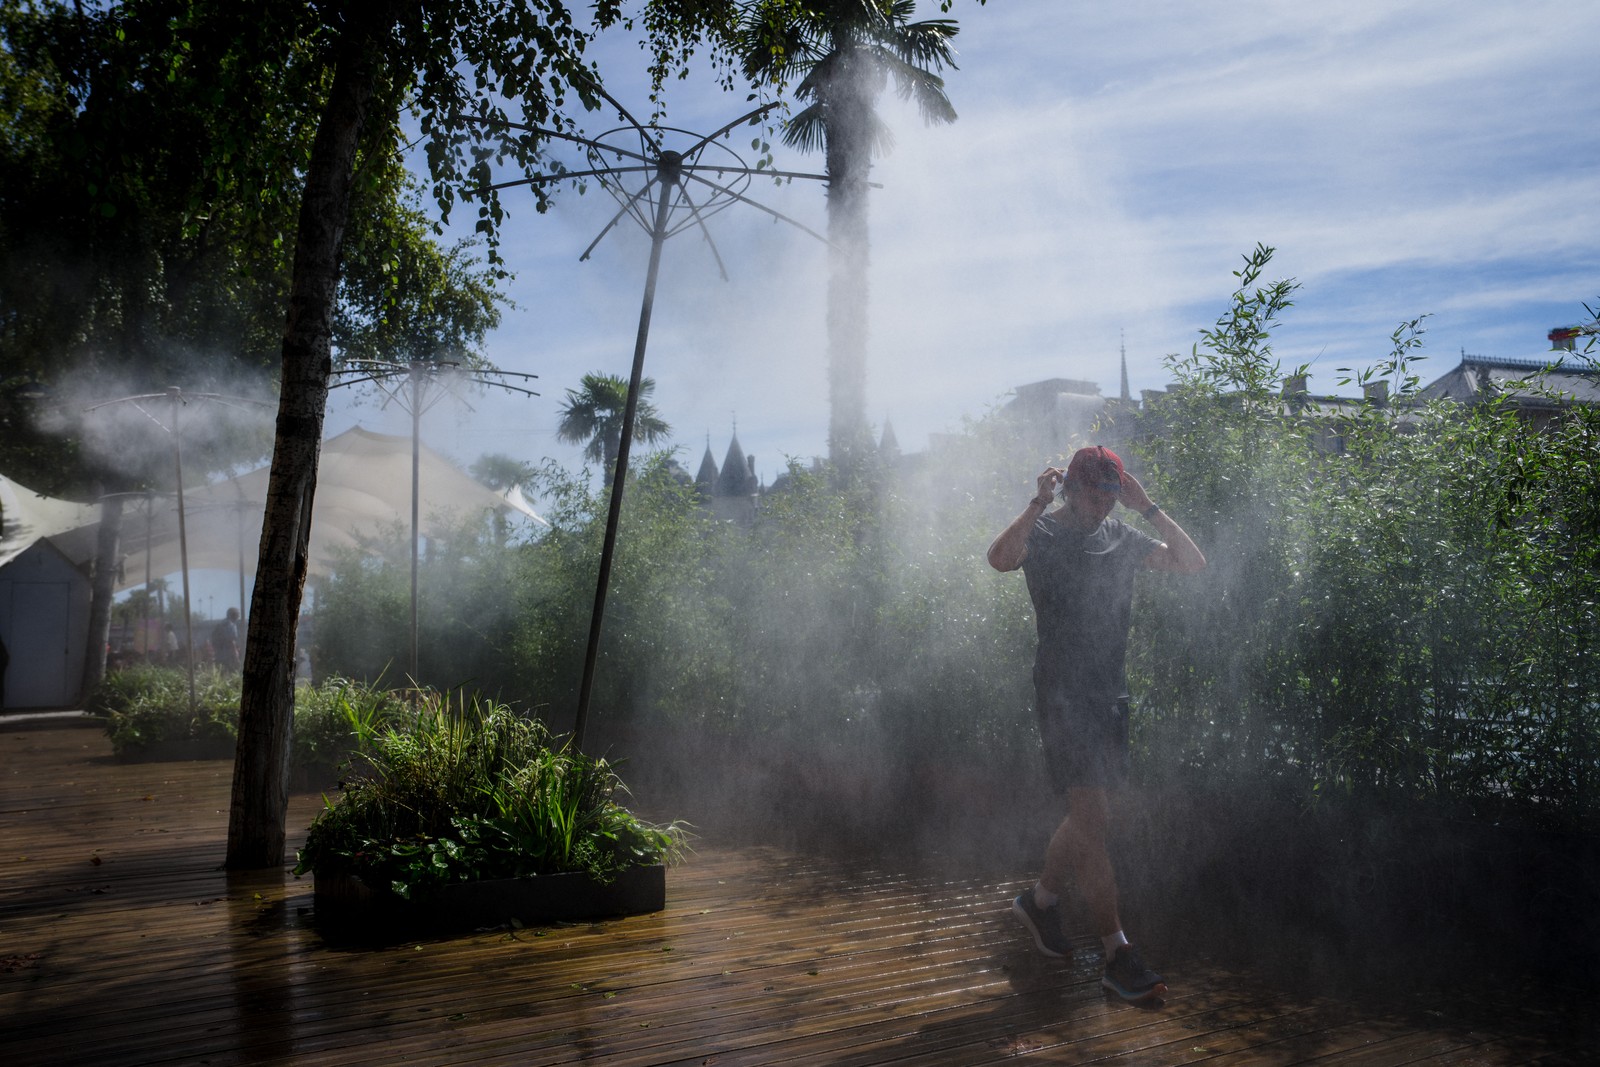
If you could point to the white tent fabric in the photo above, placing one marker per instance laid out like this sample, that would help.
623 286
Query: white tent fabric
363 489
25 516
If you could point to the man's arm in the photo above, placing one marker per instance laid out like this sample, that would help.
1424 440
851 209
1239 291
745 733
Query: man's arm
1177 553
1008 550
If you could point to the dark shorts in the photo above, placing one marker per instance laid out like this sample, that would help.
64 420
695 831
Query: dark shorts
1085 742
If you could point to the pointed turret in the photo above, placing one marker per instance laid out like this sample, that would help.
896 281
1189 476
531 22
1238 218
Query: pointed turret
706 480
736 479
888 447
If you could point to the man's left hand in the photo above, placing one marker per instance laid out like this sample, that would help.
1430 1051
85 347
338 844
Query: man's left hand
1132 496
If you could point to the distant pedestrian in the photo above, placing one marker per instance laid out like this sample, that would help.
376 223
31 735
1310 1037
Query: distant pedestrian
225 642
1080 564
169 646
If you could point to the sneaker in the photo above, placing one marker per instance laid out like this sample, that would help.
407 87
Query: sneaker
1043 923
1128 977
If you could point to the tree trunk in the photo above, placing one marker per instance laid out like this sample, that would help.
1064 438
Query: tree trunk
266 709
849 156
108 550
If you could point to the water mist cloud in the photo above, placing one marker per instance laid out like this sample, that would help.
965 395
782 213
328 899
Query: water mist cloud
125 426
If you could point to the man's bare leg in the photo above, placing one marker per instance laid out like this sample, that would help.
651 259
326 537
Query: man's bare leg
1077 854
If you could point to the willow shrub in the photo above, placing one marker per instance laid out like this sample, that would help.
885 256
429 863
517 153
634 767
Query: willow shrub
855 630
466 610
861 625
1211 656
146 705
959 638
667 638
1412 613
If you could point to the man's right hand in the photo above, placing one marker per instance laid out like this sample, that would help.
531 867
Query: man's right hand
1008 550
1049 482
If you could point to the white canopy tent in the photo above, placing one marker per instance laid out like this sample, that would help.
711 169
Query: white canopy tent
363 488
25 517
48 545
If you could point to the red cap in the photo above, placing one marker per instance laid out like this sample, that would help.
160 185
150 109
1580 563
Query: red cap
1095 467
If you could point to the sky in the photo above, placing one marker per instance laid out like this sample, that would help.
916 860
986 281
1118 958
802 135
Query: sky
1111 166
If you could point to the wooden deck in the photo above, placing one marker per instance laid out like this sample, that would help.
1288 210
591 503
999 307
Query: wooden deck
121 942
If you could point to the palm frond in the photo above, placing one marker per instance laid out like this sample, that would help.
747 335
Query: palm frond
924 87
926 44
882 136
806 129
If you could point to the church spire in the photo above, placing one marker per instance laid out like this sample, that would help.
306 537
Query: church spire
1125 394
738 477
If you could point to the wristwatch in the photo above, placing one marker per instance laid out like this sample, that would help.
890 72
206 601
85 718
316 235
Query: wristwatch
1150 512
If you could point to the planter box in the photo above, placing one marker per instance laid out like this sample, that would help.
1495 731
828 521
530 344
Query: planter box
179 750
346 902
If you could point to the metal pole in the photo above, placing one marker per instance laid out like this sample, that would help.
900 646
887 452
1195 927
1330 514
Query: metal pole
667 172
183 544
243 619
416 429
238 514
144 609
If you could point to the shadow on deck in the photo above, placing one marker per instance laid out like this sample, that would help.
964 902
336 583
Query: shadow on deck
122 942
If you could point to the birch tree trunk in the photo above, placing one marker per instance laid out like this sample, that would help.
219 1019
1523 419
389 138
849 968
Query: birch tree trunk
259 806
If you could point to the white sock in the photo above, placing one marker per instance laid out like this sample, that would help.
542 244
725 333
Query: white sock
1043 897
1112 942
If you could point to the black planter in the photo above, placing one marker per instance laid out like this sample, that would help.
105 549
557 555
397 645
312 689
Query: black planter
346 903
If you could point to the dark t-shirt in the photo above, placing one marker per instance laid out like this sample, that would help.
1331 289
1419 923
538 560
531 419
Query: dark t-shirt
1082 590
225 642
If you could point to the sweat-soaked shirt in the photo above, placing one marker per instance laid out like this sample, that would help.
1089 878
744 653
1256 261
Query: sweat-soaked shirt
1082 590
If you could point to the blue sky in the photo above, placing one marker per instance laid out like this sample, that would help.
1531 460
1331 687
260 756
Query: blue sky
1111 166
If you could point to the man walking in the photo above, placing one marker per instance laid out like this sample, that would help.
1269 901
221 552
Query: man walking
1079 563
225 642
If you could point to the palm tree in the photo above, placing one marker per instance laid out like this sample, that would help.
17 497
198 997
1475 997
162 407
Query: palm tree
501 472
845 53
592 417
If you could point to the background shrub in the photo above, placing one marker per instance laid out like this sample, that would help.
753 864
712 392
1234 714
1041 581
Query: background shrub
1400 601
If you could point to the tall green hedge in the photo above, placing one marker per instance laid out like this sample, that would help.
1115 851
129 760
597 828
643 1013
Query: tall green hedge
1412 612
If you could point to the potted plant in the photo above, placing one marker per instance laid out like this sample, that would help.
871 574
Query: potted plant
471 815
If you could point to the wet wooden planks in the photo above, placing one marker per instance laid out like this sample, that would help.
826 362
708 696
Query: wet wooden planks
122 942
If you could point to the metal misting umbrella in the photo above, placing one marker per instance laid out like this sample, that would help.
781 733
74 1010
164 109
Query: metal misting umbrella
663 204
178 399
